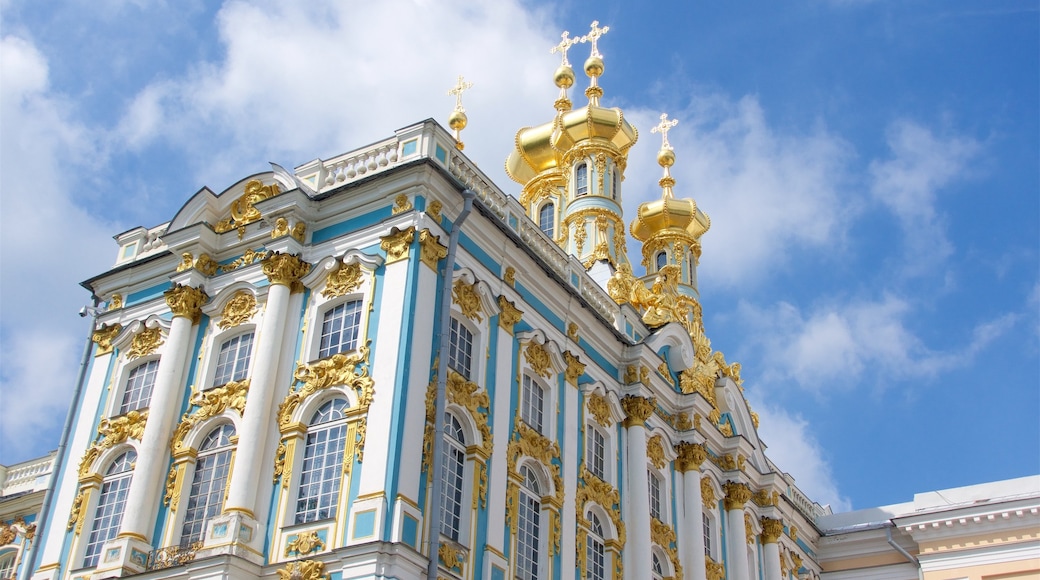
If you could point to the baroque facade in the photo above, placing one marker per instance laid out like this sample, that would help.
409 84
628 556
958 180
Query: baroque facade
381 360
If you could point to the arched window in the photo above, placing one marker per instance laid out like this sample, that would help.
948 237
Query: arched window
532 404
322 463
596 452
206 498
547 219
138 391
528 526
452 476
109 513
595 552
7 565
339 329
615 185
656 567
654 482
233 360
581 179
661 259
460 349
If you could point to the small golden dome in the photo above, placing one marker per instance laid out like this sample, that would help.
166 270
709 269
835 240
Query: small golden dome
594 66
564 77
669 213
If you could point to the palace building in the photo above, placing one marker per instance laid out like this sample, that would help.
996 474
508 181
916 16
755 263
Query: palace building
382 365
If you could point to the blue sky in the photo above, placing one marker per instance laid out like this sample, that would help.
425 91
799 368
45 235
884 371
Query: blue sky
870 168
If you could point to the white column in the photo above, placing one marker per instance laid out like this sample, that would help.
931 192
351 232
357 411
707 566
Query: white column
637 547
282 270
502 420
691 535
143 496
737 494
771 530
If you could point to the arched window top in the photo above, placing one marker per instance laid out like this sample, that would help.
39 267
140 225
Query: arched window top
661 259
547 219
453 429
123 463
330 411
656 566
530 481
139 384
581 179
219 437
594 524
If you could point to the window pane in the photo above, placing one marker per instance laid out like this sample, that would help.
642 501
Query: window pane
109 513
581 174
339 329
454 462
546 220
138 392
596 452
322 463
233 360
460 349
532 404
209 483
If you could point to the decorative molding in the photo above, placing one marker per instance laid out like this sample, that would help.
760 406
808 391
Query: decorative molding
691 456
401 204
538 359
284 269
186 302
210 403
396 243
708 493
431 249
144 343
510 314
303 570
466 297
737 494
575 368
104 336
343 280
305 543
600 409
772 529
239 309
243 211
637 409
655 451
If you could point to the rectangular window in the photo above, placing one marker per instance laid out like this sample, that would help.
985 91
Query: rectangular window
528 532
707 534
655 495
460 349
596 452
339 329
531 404
233 360
138 392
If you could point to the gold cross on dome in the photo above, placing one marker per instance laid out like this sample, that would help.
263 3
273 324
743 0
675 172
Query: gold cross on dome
594 35
565 43
462 85
663 128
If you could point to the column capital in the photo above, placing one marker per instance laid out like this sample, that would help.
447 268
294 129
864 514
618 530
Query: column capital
691 456
637 409
284 269
737 494
771 530
186 301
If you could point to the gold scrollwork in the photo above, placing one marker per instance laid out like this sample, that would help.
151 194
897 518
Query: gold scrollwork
510 314
708 493
239 309
772 529
690 456
714 570
575 368
465 394
667 374
279 461
396 244
284 269
186 301
737 494
655 451
468 300
638 409
538 359
243 211
249 257
104 336
76 513
303 570
451 555
594 489
600 409
210 404
663 535
118 429
115 302
305 543
343 280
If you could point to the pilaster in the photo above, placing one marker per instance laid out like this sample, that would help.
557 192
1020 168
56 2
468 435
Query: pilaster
637 549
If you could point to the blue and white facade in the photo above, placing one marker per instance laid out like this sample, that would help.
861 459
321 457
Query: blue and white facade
260 398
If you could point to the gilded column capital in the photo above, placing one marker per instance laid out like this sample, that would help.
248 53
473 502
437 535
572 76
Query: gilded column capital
771 530
104 336
510 314
284 269
432 249
396 243
691 456
186 301
575 368
637 409
737 494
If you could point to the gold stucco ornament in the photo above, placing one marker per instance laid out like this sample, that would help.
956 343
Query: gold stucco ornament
104 336
239 309
600 409
305 543
303 570
342 281
468 300
144 343
243 211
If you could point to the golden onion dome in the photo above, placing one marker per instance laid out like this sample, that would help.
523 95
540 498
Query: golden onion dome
669 214
543 148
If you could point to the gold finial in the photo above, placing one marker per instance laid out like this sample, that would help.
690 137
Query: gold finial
457 120
564 45
564 75
665 156
594 64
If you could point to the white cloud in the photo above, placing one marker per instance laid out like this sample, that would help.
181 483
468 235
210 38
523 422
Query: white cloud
922 164
47 244
768 192
794 449
838 345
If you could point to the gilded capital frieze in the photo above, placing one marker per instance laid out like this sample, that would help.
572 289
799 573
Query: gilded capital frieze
575 368
104 336
637 409
737 494
144 343
303 570
396 243
186 302
343 280
239 309
431 249
691 456
510 314
772 529
284 269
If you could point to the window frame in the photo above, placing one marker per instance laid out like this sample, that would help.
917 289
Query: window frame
581 173
292 511
123 379
322 319
526 498
115 521
541 215
192 472
459 321
526 406
217 343
596 539
591 430
654 477
454 445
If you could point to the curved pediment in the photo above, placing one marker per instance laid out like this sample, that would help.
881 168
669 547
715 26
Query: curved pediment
231 208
